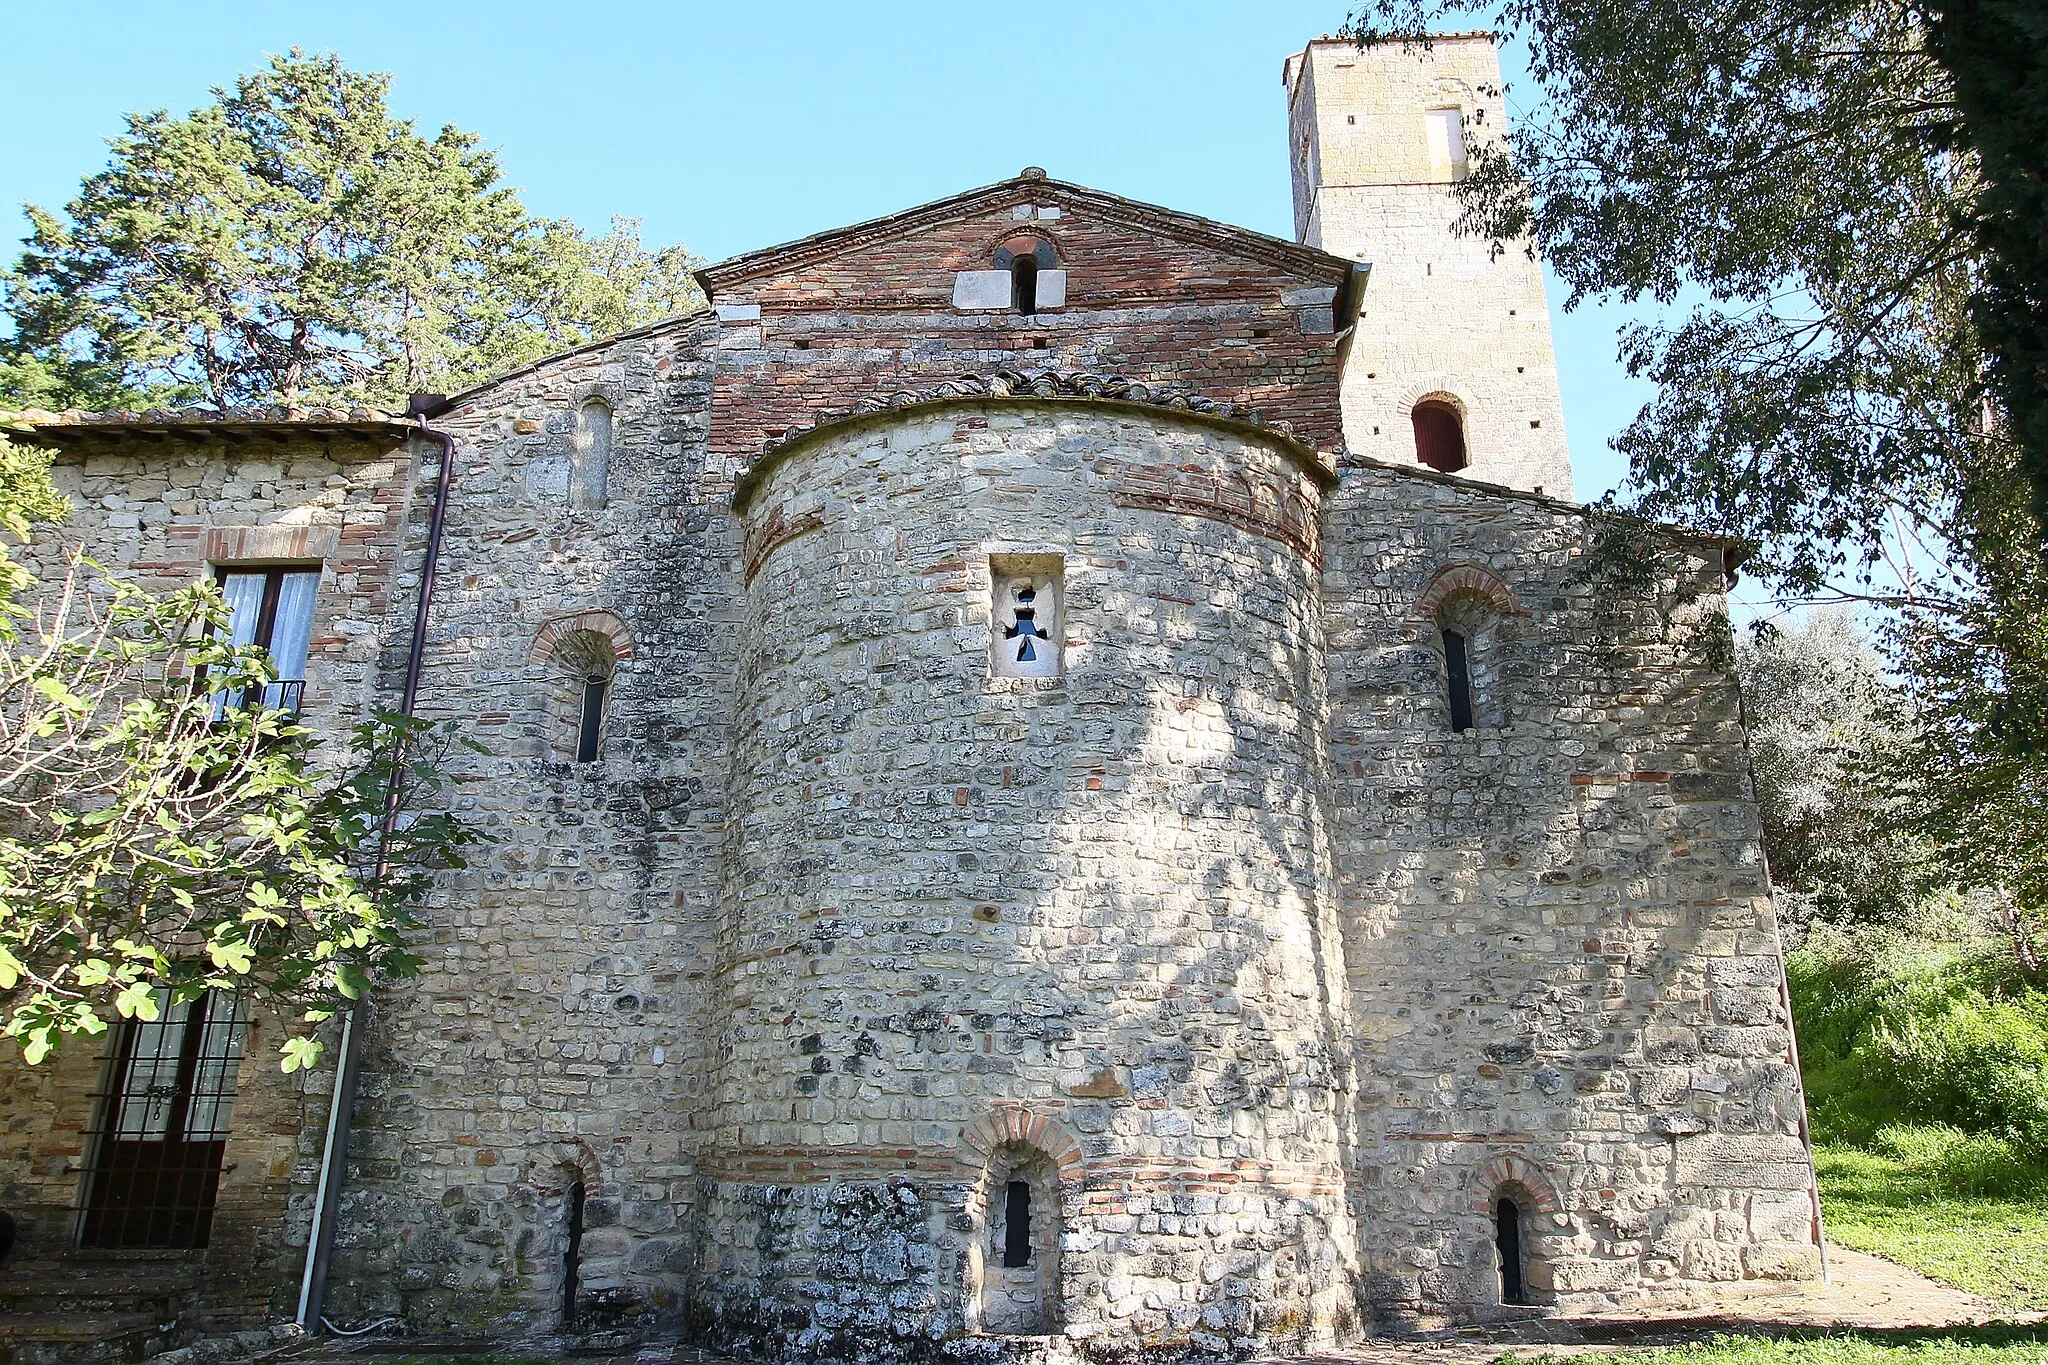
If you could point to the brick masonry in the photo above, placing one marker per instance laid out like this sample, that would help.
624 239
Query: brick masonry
1262 983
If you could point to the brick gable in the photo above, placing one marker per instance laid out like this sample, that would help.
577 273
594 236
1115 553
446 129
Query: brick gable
1164 298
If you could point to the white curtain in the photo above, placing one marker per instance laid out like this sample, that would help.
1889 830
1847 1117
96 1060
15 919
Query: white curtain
244 595
291 626
291 631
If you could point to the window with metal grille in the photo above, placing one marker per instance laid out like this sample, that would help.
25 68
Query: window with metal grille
162 1125
272 608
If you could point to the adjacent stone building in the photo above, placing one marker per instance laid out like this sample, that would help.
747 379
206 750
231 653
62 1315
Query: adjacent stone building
1056 771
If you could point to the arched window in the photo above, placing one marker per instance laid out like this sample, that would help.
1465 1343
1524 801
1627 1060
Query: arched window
1024 258
1507 1243
590 455
1469 630
1439 436
1019 1254
583 663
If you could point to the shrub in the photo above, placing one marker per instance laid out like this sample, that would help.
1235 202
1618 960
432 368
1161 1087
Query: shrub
1973 1062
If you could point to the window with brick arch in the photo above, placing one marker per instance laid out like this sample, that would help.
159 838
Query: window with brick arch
581 665
1439 436
1474 639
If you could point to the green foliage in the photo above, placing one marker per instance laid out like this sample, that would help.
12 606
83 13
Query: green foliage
1836 797
1894 1033
157 835
1776 169
294 241
1997 53
1837 203
1996 1344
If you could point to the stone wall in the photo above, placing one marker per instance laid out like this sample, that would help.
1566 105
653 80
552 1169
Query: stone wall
1443 315
557 1034
1564 962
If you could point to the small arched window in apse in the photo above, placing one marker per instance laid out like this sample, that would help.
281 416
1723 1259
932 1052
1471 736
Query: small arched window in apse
1458 677
590 455
1026 259
1439 436
1019 1291
1507 1242
584 664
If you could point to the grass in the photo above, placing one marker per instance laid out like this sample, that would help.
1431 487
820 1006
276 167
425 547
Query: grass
1947 1346
1913 1213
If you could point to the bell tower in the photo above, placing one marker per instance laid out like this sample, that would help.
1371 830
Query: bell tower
1451 366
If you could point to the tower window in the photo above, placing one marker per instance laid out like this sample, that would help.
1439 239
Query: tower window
1017 1225
1507 1239
1458 674
1439 436
1447 142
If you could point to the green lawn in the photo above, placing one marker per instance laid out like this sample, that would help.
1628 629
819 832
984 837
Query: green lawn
1994 1247
1955 1346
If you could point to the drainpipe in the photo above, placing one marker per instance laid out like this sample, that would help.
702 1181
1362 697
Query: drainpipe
348 1069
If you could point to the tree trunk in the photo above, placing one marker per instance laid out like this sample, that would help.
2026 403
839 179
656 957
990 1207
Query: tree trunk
1996 53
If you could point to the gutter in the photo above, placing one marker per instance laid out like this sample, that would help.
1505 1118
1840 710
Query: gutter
348 1069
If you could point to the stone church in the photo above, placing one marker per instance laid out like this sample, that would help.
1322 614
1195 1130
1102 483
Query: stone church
1059 780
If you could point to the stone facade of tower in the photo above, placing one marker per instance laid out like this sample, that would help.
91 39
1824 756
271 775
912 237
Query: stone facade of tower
1377 140
1216 980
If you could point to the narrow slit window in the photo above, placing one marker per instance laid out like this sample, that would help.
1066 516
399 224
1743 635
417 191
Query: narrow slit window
590 456
1458 675
1507 1234
1017 1225
590 724
572 1252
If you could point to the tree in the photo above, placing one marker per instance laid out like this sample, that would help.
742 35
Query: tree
1790 169
1835 798
159 837
293 242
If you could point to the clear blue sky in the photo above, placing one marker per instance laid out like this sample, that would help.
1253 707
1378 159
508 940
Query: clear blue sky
735 126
